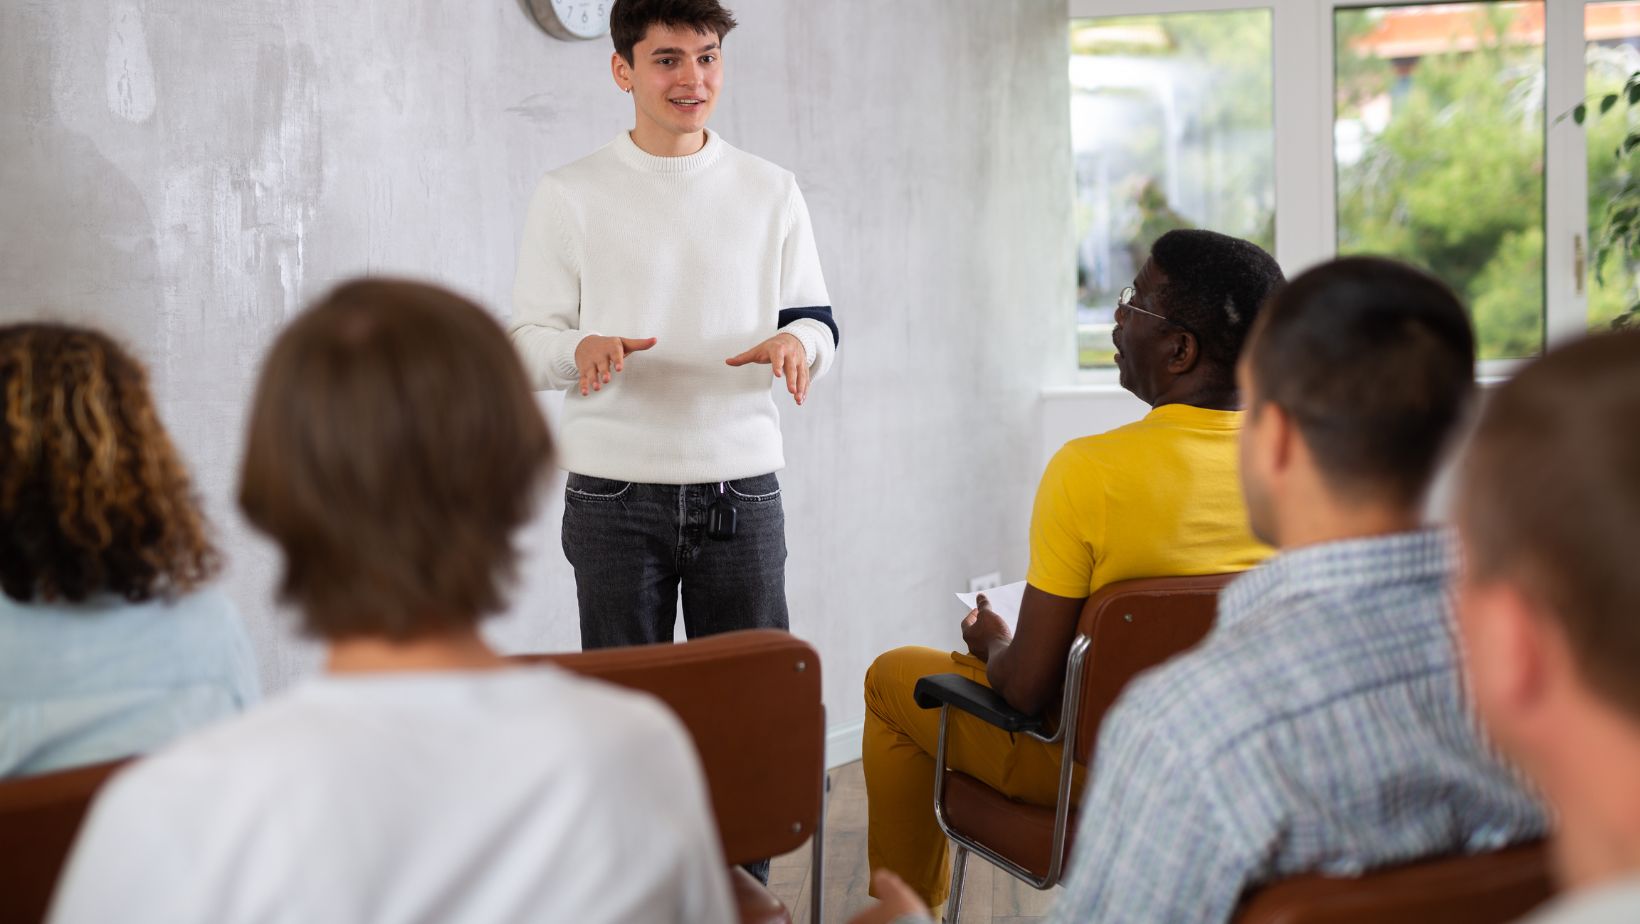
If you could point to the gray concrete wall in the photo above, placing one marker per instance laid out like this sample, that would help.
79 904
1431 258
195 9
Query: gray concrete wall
188 173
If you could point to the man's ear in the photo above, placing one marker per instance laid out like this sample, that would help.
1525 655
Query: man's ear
621 71
1510 651
1183 353
1279 435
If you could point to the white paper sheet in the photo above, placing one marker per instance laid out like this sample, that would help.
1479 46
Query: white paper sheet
1005 602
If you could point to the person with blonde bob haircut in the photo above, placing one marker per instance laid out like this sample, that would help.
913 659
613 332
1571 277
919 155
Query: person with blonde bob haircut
394 451
111 642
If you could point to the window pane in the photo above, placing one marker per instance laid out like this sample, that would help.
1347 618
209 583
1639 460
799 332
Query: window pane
1612 31
1439 147
1171 127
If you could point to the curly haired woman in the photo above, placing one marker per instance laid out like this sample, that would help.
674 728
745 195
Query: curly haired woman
110 644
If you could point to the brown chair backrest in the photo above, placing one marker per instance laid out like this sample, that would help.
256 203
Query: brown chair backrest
1133 626
751 701
1488 888
39 818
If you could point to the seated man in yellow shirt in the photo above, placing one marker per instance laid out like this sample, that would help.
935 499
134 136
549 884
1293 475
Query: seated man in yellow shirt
1159 497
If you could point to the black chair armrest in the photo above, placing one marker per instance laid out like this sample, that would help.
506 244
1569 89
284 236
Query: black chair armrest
976 699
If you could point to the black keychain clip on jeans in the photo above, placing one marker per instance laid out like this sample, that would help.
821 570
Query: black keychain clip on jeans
720 516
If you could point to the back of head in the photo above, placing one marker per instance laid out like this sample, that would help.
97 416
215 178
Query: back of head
629 20
1374 361
93 497
1550 501
394 449
1216 285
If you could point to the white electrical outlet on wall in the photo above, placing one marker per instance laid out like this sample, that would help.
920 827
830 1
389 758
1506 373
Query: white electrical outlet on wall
984 582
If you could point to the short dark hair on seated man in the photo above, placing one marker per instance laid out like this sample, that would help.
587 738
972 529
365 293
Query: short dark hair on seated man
1374 360
93 496
1550 497
629 20
394 448
1216 285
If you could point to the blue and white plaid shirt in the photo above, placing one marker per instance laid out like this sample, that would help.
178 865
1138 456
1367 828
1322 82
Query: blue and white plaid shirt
1322 725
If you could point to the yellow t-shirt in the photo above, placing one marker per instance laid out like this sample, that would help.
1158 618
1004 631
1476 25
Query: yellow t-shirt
1159 497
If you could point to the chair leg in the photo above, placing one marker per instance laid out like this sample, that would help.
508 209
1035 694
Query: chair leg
817 865
959 866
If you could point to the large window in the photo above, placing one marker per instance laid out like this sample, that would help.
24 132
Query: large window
1439 145
1611 53
1171 127
1431 132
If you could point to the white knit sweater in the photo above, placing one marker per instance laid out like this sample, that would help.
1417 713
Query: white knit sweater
709 253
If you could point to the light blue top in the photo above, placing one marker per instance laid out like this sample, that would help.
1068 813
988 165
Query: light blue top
82 683
1322 725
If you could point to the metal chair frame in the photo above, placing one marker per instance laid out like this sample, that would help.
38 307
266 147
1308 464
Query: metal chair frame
1069 713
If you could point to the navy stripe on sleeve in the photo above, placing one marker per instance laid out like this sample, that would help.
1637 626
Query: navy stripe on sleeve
821 313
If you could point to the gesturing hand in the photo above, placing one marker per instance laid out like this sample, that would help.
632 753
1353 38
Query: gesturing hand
897 901
785 353
596 357
982 628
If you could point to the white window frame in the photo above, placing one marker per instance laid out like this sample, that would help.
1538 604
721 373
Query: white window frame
1305 194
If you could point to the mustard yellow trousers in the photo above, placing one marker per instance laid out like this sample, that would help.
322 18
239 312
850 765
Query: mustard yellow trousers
898 757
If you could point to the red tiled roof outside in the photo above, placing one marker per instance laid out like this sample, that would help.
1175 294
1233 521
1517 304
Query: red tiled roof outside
1416 32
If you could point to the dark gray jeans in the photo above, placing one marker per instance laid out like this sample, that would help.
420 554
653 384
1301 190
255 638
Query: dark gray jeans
633 544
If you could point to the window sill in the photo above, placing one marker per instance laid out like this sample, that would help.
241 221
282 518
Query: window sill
1086 389
1489 372
1092 383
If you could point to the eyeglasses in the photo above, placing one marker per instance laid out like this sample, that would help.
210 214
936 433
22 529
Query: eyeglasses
1124 302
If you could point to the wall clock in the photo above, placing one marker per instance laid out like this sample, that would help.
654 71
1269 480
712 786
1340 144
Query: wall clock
570 19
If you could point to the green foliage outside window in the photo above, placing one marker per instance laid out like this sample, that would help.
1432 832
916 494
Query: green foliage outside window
1212 86
1614 190
1454 181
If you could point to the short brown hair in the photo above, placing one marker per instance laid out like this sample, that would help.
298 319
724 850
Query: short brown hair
1550 501
1375 362
629 20
394 449
93 496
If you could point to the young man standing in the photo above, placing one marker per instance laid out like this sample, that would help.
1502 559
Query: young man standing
656 275
1549 610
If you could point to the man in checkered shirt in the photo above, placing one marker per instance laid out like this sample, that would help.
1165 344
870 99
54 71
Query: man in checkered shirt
1323 725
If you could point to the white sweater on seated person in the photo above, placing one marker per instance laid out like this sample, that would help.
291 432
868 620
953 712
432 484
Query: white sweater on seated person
712 254
519 795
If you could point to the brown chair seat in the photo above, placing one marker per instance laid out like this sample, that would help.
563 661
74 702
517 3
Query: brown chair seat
39 819
1017 830
750 700
753 903
1489 888
1125 628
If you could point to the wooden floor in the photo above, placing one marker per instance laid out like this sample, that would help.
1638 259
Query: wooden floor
990 897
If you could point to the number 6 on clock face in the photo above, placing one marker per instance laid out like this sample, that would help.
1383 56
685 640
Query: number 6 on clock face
570 19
